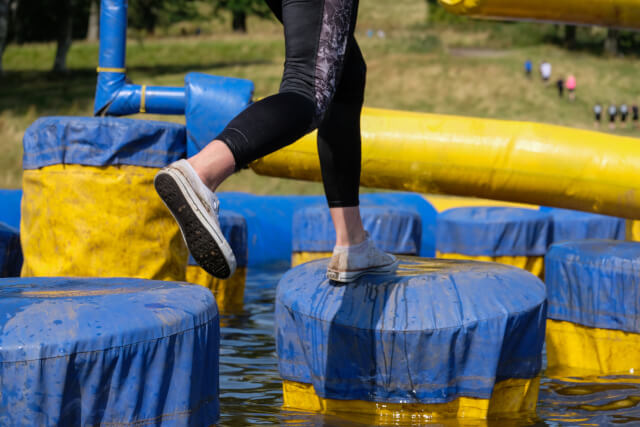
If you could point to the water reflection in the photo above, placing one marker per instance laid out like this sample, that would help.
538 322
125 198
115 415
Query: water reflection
251 390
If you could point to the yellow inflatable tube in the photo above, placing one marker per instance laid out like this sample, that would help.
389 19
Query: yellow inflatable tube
511 396
609 13
503 160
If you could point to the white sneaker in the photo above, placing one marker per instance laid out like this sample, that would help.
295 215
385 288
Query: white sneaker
348 263
195 209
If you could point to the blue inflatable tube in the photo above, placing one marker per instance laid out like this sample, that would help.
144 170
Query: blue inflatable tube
392 228
494 231
102 141
114 96
435 331
81 352
594 283
10 252
570 225
225 97
10 201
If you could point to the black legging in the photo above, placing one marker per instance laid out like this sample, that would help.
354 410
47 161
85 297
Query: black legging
322 87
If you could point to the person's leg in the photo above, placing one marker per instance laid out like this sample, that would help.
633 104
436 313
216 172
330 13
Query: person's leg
316 40
339 149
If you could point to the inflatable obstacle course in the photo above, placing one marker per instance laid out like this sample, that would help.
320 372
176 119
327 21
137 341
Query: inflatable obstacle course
229 293
89 206
593 291
399 347
10 251
514 236
107 352
393 229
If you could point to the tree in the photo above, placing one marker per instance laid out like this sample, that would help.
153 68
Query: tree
240 10
570 36
431 6
93 27
147 15
47 20
65 34
611 42
4 27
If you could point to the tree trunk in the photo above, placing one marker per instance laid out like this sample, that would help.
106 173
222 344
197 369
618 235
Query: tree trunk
4 27
239 22
611 42
427 7
149 18
93 29
64 36
570 36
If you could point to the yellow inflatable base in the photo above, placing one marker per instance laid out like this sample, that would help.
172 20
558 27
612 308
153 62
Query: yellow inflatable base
98 222
229 293
533 264
513 396
576 350
632 228
442 203
298 258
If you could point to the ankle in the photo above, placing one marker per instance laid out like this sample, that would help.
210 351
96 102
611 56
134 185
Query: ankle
207 178
213 164
351 240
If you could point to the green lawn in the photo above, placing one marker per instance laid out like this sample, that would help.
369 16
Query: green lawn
460 67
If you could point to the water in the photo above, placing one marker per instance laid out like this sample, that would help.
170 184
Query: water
251 390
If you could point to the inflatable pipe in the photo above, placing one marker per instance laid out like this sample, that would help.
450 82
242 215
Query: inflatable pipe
608 13
114 96
222 97
504 160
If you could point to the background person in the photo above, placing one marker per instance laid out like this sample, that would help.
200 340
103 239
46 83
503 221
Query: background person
624 112
560 86
322 87
597 112
634 115
528 68
571 87
613 111
545 71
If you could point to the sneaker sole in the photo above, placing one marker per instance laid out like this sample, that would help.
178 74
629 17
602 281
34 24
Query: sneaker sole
203 238
351 276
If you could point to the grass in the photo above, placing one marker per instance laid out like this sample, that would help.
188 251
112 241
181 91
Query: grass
454 66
